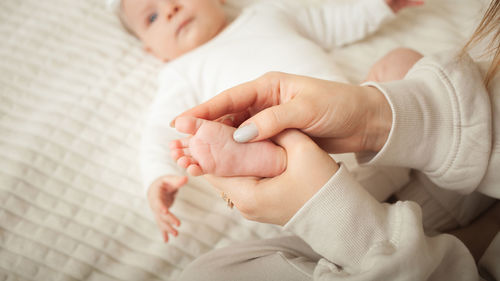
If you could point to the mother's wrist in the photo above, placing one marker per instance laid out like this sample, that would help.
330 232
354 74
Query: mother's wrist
379 119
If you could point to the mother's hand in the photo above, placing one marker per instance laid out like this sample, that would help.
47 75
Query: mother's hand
342 117
276 200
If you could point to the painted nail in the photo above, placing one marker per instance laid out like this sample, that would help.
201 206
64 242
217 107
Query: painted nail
245 133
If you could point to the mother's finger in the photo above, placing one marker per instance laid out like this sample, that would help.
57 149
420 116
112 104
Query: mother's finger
291 138
260 93
241 190
234 100
271 121
234 119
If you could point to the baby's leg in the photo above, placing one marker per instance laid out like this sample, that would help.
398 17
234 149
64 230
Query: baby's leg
212 150
394 65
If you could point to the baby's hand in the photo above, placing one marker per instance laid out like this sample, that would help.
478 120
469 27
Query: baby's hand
161 195
397 5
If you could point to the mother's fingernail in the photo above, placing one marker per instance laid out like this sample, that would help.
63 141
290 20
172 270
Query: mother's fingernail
245 133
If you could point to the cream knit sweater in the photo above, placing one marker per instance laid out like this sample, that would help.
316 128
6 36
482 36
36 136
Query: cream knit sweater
446 126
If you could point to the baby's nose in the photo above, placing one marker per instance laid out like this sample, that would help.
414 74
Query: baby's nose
172 10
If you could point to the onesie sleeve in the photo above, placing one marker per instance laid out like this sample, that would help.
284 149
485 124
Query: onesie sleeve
360 238
442 122
333 23
174 96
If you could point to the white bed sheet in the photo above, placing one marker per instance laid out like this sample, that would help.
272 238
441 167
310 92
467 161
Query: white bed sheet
74 91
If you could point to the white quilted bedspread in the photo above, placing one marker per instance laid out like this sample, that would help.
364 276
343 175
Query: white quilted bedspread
74 91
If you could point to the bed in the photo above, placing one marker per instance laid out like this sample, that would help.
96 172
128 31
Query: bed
74 93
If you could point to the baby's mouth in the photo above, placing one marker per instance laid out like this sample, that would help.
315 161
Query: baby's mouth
181 26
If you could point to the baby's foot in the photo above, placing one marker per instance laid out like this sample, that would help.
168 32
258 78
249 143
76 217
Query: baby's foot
212 150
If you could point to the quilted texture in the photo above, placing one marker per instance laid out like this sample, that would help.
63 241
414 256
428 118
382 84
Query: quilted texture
74 93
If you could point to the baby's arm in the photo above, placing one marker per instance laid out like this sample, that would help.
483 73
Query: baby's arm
174 96
161 176
333 24
155 154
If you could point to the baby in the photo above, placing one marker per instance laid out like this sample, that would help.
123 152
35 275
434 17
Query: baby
208 52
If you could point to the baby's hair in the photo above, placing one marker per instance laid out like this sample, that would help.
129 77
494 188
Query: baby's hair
488 25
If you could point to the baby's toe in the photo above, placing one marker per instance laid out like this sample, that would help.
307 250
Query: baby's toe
176 153
175 144
184 143
185 161
188 125
194 170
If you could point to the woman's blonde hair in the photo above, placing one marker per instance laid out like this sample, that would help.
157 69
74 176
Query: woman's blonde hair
489 26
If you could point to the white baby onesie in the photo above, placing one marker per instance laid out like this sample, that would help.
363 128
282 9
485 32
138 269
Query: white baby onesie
267 36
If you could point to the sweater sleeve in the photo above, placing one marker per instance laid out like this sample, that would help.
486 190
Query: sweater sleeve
362 239
490 183
380 181
333 24
441 122
174 96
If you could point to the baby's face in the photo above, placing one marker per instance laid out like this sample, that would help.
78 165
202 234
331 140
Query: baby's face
170 28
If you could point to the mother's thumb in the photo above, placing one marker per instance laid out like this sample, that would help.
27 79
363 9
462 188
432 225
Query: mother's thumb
268 123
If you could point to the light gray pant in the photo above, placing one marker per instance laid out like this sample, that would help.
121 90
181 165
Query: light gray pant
285 258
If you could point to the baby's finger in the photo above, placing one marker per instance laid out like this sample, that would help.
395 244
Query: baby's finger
164 226
164 234
413 3
170 218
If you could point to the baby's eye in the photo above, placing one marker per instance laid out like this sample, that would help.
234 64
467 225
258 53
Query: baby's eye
152 17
